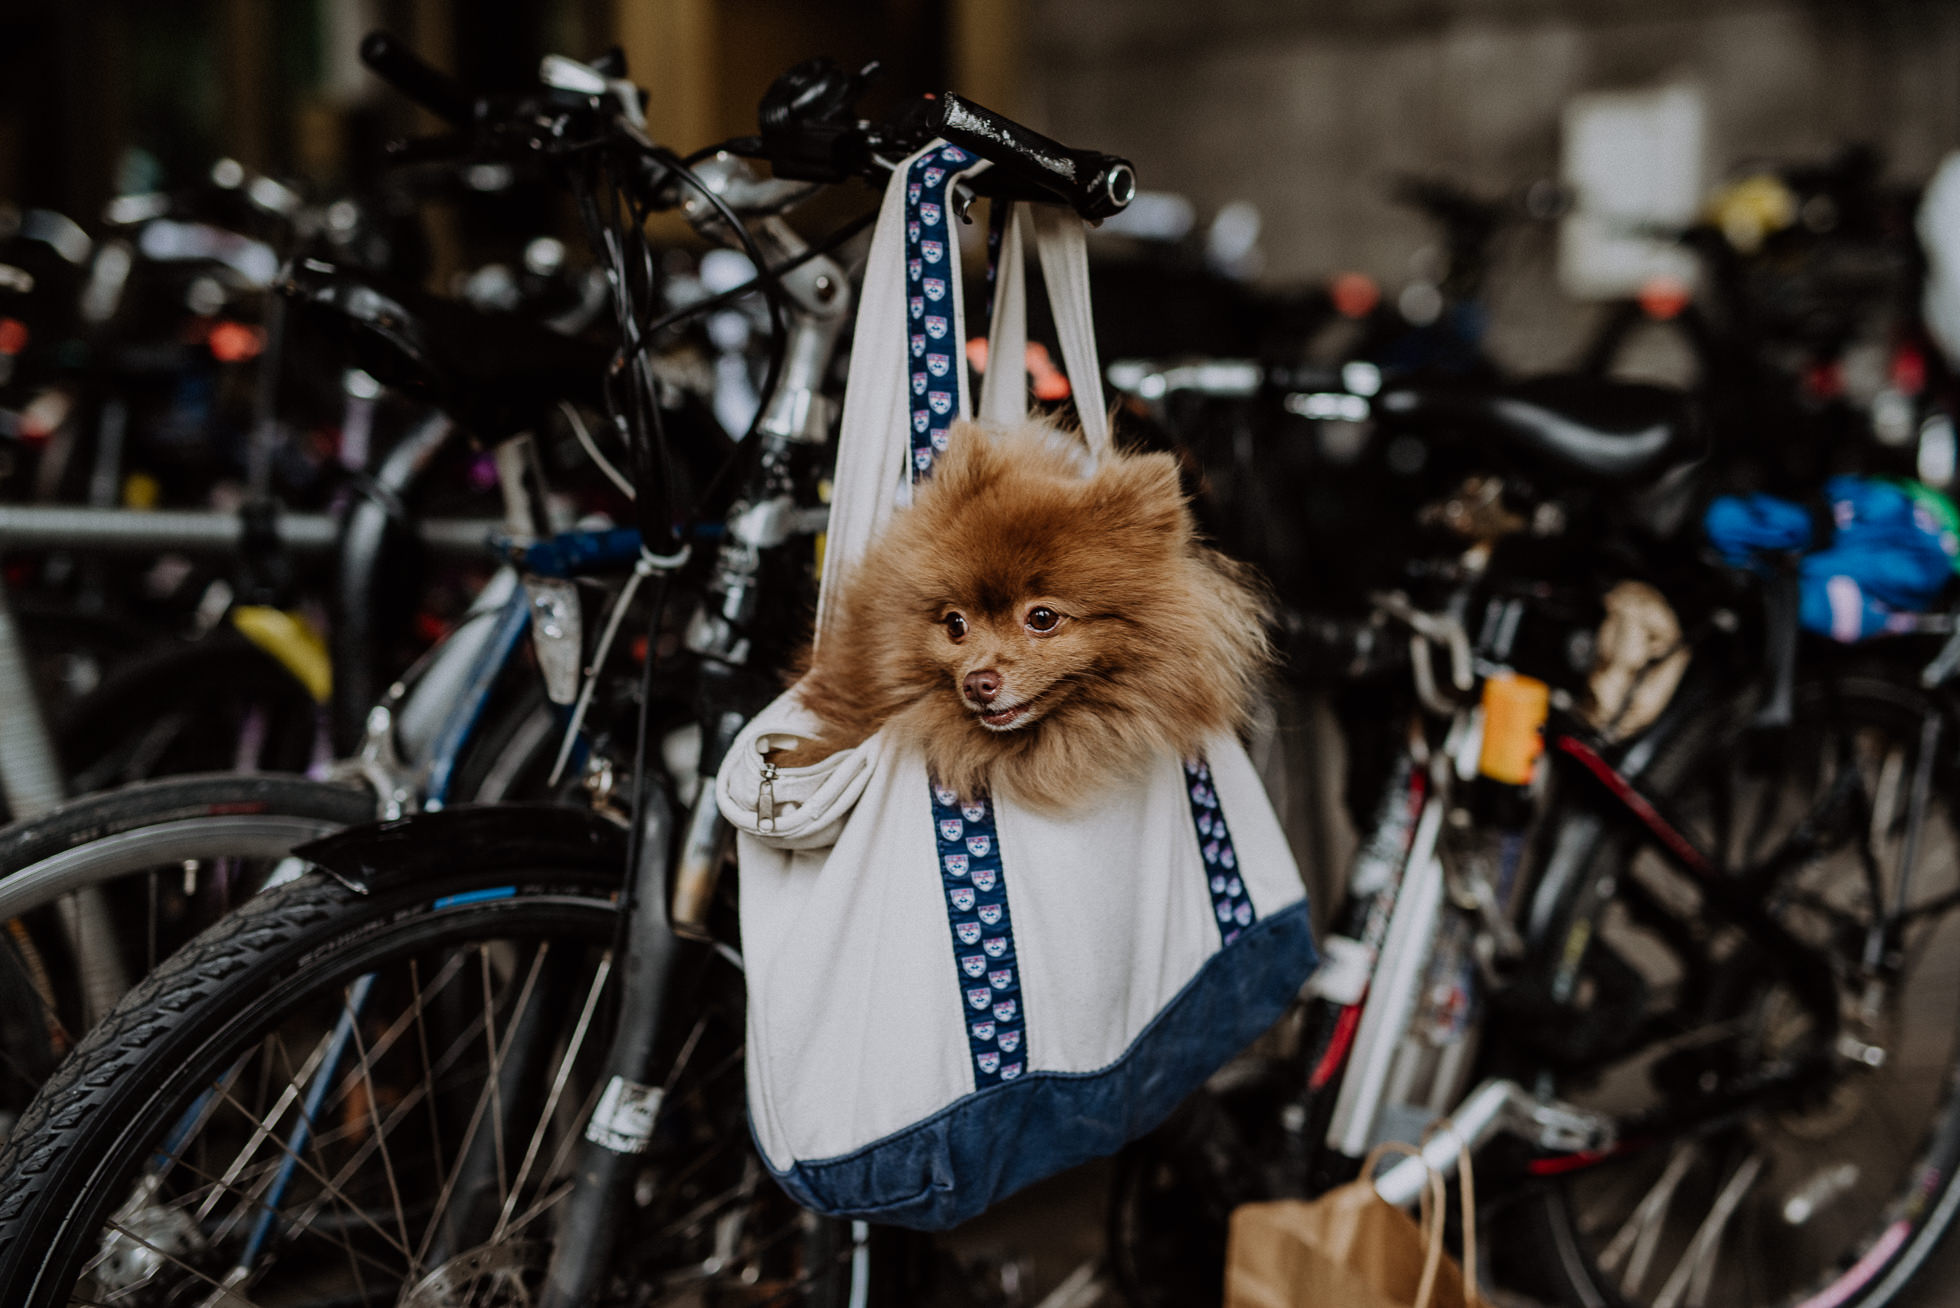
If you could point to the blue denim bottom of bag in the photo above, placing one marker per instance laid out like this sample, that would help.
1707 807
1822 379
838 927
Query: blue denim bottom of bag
975 1152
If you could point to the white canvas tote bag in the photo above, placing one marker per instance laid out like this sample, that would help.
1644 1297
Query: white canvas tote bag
950 1000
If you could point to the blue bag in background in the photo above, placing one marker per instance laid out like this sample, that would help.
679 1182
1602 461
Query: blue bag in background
1892 551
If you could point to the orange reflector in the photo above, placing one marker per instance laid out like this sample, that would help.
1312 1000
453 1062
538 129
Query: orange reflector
1514 723
1663 298
235 342
1049 383
13 336
1354 294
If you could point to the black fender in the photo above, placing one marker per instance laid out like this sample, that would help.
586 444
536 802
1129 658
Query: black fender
381 853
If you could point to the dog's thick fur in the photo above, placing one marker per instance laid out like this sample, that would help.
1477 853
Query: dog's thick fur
1157 640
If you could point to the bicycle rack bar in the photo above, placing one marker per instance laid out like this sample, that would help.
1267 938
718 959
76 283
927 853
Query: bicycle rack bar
31 783
1496 1105
46 526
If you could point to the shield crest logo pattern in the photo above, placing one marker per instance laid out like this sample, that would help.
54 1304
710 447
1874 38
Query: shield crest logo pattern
918 383
1010 1041
968 844
977 905
1230 903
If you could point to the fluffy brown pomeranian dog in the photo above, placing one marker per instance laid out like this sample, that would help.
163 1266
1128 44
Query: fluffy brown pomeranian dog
1037 624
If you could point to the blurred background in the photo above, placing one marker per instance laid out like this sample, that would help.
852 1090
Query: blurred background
1305 111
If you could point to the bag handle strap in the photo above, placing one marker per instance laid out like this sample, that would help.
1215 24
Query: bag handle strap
1060 241
870 479
1434 1200
1434 1197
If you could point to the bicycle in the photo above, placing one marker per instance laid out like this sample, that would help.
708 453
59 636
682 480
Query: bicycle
525 905
1652 984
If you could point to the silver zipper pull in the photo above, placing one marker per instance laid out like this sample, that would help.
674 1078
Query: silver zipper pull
765 800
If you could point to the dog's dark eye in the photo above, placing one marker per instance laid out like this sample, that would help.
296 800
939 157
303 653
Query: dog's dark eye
1043 619
955 626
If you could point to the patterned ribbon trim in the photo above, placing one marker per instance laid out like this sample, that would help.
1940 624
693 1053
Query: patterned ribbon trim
983 936
932 327
1230 902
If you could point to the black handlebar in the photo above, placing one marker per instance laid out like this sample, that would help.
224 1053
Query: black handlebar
809 132
1096 185
428 86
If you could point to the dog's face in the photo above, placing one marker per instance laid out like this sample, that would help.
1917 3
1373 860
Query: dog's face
1035 625
1013 663
1039 583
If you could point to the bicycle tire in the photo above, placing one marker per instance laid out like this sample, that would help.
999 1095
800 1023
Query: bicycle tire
1546 1247
283 957
64 926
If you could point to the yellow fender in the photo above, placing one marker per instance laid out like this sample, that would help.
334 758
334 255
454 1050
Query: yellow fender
291 640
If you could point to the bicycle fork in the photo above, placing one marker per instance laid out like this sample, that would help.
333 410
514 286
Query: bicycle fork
622 1123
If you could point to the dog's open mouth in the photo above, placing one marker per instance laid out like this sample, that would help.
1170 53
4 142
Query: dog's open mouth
1008 718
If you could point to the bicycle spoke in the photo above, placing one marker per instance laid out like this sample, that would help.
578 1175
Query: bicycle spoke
374 1118
353 1209
1695 1272
231 1297
545 1117
484 1101
1641 1232
287 1098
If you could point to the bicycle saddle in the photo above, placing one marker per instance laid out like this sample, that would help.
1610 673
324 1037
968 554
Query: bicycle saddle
496 374
1593 430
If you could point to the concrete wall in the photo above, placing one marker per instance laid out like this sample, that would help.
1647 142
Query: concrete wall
1307 107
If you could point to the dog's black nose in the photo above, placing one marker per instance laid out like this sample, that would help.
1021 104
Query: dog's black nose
982 686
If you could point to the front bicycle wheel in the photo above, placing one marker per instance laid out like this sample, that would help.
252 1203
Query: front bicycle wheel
340 1096
1807 1175
98 890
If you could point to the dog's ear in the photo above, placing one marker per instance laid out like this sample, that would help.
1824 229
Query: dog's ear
1139 491
970 461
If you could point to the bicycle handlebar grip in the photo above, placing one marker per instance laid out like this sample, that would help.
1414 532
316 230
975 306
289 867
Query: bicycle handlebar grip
428 86
1097 185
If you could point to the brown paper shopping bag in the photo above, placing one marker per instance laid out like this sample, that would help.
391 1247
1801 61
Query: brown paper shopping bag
1351 1248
